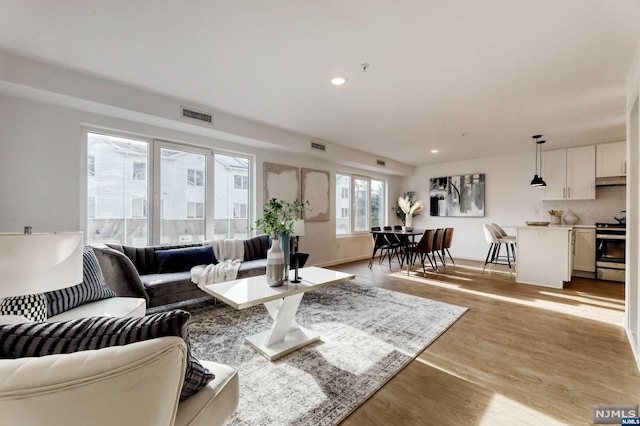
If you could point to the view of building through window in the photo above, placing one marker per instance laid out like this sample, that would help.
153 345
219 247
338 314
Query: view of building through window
115 186
232 197
367 204
343 204
118 208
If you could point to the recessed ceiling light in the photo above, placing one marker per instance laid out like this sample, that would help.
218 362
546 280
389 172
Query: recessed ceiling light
338 81
434 151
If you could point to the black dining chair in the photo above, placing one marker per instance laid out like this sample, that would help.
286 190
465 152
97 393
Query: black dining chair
395 243
379 243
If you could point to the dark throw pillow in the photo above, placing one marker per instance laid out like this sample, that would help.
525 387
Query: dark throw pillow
183 259
93 287
39 339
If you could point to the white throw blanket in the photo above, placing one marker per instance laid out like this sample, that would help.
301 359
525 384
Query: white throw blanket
229 253
227 270
228 249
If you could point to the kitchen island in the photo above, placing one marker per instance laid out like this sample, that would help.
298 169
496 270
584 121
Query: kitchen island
544 255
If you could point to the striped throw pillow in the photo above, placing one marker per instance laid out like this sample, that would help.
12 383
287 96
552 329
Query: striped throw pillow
93 287
39 339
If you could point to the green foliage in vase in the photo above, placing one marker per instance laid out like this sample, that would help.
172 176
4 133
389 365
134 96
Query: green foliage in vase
279 216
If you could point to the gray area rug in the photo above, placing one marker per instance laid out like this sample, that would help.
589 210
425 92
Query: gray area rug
368 335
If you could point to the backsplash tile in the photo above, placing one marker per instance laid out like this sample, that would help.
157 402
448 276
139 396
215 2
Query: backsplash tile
609 202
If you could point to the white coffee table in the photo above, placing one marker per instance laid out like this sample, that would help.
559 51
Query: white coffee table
285 335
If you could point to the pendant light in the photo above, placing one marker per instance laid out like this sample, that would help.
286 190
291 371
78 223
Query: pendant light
537 181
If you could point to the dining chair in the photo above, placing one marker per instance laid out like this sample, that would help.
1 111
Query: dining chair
379 243
406 243
424 249
446 245
438 241
395 243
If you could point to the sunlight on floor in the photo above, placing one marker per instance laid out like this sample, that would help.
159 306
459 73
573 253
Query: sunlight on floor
503 410
578 304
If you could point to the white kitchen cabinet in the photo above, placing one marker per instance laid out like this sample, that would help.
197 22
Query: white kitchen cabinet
570 173
611 159
584 257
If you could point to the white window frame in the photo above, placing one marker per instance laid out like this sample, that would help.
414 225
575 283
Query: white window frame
153 180
352 216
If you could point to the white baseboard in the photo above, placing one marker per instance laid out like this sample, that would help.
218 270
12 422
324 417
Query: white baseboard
340 261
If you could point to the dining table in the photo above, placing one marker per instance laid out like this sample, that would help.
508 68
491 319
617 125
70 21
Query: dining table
406 238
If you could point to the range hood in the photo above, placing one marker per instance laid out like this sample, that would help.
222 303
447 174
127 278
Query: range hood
611 181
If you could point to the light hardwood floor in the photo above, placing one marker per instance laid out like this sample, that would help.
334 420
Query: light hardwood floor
522 354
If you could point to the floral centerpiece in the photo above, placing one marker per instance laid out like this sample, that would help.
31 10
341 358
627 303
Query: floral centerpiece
410 209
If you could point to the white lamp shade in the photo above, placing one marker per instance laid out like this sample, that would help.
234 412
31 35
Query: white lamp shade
298 227
36 263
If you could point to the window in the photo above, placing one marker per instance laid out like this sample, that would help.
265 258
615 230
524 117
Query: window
138 208
343 205
91 165
121 172
240 182
119 160
139 171
91 207
377 203
231 202
195 177
360 204
239 211
195 210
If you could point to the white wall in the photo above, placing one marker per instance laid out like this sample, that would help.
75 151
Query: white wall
509 200
42 172
632 283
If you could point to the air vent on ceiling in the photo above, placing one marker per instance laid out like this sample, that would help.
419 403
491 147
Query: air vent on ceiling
197 115
381 163
318 146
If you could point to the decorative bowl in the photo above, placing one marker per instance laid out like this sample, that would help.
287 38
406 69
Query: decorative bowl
529 223
570 218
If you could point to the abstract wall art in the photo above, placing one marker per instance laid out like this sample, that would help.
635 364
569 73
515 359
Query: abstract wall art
461 195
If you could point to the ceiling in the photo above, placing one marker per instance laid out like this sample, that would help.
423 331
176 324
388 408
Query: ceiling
469 78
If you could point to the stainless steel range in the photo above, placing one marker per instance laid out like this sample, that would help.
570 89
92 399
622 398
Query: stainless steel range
610 250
